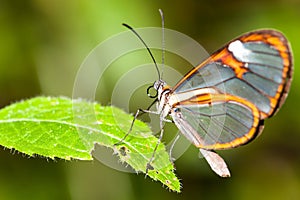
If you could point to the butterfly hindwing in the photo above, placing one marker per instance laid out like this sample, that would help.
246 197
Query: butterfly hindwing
225 122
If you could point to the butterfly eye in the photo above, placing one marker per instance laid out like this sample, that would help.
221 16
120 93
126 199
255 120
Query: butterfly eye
152 92
177 110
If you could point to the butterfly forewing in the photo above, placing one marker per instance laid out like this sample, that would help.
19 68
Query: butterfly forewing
250 76
256 66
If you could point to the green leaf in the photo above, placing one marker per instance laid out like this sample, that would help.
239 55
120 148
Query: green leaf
65 128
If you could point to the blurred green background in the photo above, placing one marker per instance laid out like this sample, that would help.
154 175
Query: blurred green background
43 43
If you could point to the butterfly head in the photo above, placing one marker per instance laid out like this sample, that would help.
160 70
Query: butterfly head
158 86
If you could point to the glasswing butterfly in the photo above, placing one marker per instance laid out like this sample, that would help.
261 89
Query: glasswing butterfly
222 103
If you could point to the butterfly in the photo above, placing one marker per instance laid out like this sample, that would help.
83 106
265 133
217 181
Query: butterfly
222 103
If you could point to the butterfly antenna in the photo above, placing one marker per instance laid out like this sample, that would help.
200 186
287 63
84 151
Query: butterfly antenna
163 45
130 28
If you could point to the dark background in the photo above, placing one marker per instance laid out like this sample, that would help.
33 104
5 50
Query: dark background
43 43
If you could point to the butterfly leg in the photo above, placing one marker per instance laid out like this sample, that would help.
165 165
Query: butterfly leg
172 147
138 113
149 166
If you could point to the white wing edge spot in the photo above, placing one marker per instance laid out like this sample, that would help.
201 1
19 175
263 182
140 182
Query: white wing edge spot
238 50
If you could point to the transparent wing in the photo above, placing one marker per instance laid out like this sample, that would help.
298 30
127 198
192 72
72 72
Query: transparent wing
256 67
226 122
